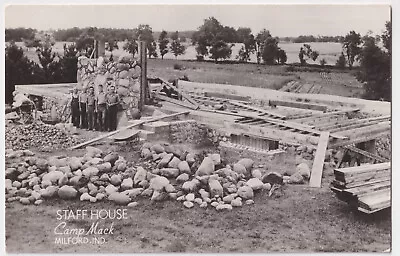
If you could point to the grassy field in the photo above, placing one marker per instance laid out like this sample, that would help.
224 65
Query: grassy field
342 83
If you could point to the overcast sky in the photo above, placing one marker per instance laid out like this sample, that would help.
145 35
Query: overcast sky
281 20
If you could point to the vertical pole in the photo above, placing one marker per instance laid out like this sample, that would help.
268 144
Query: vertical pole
143 74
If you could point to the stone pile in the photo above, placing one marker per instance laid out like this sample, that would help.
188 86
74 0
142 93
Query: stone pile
43 137
165 172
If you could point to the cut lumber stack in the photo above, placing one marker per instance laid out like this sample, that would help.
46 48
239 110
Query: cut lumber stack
367 186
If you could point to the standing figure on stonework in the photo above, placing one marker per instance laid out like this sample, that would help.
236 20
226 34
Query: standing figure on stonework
91 105
101 108
75 107
82 107
112 108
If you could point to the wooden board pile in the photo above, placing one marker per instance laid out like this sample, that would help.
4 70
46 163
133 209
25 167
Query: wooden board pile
367 186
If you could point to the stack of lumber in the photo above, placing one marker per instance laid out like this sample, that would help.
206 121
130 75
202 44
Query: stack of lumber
367 186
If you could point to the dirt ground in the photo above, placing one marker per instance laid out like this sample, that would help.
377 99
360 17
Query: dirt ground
295 218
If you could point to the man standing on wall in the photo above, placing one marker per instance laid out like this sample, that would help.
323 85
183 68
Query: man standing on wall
91 105
101 108
112 108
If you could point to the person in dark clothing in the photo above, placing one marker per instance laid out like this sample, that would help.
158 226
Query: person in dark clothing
82 106
101 108
75 108
112 100
91 105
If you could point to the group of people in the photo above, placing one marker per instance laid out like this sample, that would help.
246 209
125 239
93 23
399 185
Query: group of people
95 111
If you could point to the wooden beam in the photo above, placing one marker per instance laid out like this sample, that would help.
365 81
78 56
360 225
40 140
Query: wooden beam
367 130
227 96
183 94
143 74
318 117
153 119
294 104
318 165
177 102
367 154
260 110
349 122
341 143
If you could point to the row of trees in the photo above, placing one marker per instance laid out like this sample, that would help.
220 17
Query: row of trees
215 40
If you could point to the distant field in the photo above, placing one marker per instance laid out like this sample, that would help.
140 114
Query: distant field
343 83
328 51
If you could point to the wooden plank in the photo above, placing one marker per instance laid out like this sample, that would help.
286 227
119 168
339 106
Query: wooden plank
363 168
376 200
342 185
363 177
350 122
325 115
318 165
353 126
363 190
341 143
177 102
227 96
153 119
260 110
367 154
294 104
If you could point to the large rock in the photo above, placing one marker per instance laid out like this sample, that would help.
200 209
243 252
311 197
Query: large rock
158 183
146 153
237 202
216 158
75 163
127 184
215 187
157 148
183 167
206 167
228 173
169 172
191 186
247 163
110 189
296 178
174 163
165 160
119 198
90 171
190 158
111 158
52 176
140 175
273 178
304 170
256 173
67 192
255 183
42 164
116 179
93 152
158 196
183 177
104 167
240 169
245 192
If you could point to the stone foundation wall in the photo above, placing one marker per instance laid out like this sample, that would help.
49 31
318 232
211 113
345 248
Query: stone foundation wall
190 132
123 73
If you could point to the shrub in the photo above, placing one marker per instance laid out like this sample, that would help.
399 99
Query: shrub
178 66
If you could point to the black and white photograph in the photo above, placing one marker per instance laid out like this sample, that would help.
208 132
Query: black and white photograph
197 128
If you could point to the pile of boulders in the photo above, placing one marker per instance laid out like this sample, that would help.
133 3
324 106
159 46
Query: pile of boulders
43 137
164 172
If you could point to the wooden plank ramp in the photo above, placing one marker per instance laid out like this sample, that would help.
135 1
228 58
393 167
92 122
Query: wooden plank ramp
318 165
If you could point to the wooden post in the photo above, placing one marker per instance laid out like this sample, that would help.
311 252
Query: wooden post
143 74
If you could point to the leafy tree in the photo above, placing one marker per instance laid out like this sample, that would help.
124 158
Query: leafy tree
282 57
145 33
85 44
177 48
306 51
112 45
322 62
69 64
18 70
163 43
131 46
175 35
152 49
19 34
387 37
246 37
50 64
220 50
341 62
32 43
376 68
261 37
270 50
351 46
206 35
